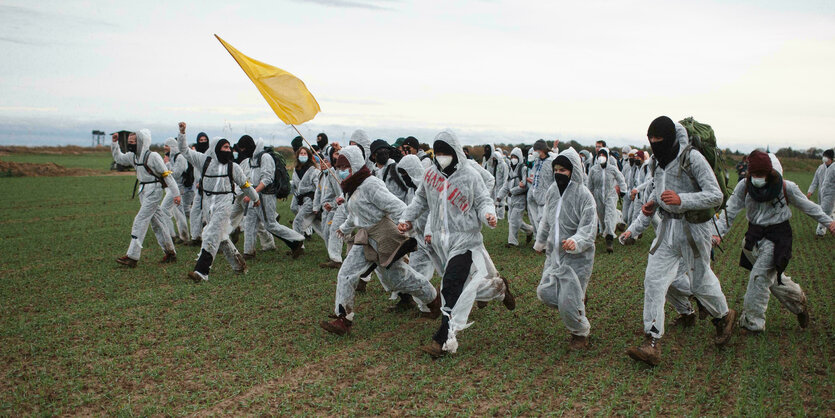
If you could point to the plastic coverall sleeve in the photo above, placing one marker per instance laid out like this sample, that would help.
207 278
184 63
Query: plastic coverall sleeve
157 165
827 190
197 159
121 158
816 181
417 207
710 194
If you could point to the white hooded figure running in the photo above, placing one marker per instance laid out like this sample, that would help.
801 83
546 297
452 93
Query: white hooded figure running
220 176
496 166
260 167
606 183
152 176
826 189
459 205
766 197
540 178
196 218
684 184
567 232
516 190
305 174
368 203
177 165
325 201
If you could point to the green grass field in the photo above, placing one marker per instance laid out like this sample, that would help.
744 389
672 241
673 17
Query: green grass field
80 335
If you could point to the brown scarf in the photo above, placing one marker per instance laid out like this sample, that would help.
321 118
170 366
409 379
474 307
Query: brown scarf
350 184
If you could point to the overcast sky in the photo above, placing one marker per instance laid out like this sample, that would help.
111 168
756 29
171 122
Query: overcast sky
761 72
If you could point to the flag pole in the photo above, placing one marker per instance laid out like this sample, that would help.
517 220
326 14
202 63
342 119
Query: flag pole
321 157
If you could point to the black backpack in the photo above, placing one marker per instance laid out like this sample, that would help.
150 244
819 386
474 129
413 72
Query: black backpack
280 186
188 175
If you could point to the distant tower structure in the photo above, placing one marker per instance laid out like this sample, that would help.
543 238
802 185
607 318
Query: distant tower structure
98 138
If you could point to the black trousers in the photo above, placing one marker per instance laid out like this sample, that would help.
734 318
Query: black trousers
456 274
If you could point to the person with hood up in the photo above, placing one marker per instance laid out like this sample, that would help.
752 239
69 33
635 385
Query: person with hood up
606 184
516 188
818 183
386 159
827 190
586 158
305 174
219 177
629 172
567 232
177 166
681 238
540 178
260 167
458 204
196 218
324 201
767 248
495 165
370 204
152 176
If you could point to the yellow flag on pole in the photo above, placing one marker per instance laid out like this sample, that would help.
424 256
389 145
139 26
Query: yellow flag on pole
286 94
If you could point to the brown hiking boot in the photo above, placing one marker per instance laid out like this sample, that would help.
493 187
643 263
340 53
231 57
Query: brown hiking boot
481 304
509 245
197 277
684 320
339 326
297 252
433 349
434 308
724 328
578 342
249 256
242 268
361 284
609 241
620 227
703 313
529 238
509 301
649 352
127 261
168 258
803 318
405 304
330 265
629 241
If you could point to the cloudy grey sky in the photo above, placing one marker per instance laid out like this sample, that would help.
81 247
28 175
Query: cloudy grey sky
761 72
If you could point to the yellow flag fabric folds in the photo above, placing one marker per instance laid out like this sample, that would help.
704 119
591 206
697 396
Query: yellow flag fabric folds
286 94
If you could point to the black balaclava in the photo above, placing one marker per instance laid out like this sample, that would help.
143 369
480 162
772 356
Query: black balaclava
131 147
605 154
322 140
223 157
561 179
488 152
246 147
379 151
202 146
442 147
666 150
296 143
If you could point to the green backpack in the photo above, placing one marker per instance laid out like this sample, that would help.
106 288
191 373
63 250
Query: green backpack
703 139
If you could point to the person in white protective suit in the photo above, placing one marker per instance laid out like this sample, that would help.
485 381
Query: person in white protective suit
567 232
177 165
458 204
495 165
260 168
827 191
767 248
411 146
631 166
637 195
587 160
324 201
369 203
220 176
152 176
606 183
818 183
385 158
685 187
540 178
305 174
196 219
516 188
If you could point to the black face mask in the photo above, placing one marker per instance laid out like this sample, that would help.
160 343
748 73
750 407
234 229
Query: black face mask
665 151
131 147
381 156
168 154
562 181
225 157
202 146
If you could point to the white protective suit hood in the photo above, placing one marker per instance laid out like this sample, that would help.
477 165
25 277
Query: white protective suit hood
578 174
171 143
143 143
212 145
354 156
775 163
361 139
517 152
259 146
411 164
452 140
587 154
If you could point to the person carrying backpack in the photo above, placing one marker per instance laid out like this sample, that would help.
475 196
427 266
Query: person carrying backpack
767 249
152 176
178 167
261 168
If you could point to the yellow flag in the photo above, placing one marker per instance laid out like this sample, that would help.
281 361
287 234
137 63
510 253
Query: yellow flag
286 94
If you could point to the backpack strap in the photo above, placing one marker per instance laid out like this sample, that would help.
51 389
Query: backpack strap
203 174
395 177
231 179
257 157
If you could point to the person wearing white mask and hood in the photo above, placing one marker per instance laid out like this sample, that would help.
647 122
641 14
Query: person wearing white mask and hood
818 184
219 177
458 204
495 165
606 183
767 247
327 193
152 176
178 165
680 196
567 232
540 178
370 204
516 188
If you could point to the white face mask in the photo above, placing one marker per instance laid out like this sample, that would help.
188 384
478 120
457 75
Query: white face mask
825 160
758 181
514 161
531 157
443 160
602 160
